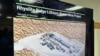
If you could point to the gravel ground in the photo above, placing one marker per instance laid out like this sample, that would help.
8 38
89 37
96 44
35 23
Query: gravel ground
26 27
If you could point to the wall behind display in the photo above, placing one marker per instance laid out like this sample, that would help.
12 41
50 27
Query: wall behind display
97 42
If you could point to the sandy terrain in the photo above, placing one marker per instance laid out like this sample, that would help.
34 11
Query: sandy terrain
26 27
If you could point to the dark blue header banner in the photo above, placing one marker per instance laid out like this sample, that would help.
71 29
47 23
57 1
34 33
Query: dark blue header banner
46 9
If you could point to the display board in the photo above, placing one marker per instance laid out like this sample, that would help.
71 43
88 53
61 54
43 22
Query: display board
51 28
